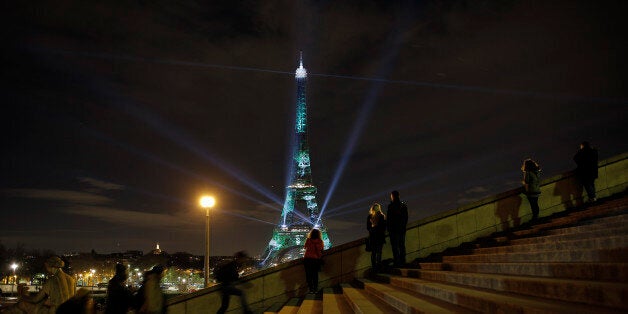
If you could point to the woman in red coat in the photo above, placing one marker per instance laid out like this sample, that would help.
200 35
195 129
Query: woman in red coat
312 259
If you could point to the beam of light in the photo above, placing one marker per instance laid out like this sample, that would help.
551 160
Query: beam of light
156 159
226 212
146 155
457 87
487 90
440 173
171 132
431 192
172 166
391 48
180 138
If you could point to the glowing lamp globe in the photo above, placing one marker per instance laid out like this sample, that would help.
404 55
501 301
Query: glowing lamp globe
207 202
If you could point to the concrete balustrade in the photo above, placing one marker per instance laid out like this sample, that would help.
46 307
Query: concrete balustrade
434 234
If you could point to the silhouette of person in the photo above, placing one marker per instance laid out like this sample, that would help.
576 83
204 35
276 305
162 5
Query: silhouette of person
376 226
397 220
586 172
312 259
59 288
227 274
119 297
531 185
81 303
152 298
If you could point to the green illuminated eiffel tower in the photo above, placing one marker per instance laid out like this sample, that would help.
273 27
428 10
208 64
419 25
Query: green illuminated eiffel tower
300 211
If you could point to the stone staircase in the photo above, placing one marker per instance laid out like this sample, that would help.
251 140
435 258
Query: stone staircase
573 262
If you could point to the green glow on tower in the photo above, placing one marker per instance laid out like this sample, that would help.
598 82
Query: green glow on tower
300 210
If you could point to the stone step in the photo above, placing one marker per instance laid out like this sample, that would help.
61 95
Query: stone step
587 228
486 301
407 301
335 303
607 219
431 266
363 303
616 272
311 305
589 215
590 292
575 256
565 228
572 236
609 242
291 307
275 308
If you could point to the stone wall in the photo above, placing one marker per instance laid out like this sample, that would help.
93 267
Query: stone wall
434 234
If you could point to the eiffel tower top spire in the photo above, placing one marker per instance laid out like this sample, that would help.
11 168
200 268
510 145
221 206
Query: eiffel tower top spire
301 72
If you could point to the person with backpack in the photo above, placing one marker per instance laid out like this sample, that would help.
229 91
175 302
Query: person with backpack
397 220
227 275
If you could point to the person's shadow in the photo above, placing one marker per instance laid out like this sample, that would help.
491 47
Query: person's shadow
507 209
570 192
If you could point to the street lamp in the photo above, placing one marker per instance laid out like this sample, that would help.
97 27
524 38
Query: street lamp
91 276
207 202
14 267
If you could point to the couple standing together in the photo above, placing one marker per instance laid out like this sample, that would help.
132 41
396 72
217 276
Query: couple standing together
377 223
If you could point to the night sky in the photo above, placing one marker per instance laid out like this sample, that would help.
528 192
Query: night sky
118 115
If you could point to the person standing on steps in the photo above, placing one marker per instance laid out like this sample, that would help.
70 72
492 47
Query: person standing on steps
397 220
376 226
586 172
531 185
312 259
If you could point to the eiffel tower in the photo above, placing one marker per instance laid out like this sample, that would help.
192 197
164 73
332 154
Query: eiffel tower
300 211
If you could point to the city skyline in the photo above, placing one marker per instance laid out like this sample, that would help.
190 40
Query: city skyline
118 117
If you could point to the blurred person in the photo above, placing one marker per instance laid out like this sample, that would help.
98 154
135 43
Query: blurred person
376 226
227 273
532 185
151 299
59 288
119 297
397 221
312 259
586 171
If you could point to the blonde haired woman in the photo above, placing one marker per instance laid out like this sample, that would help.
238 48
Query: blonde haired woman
376 225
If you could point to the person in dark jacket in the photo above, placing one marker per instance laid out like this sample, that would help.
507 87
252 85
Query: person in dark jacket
119 297
531 185
397 220
312 259
227 274
376 226
586 172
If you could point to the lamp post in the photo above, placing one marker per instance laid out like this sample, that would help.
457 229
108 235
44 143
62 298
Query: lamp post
14 267
207 202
